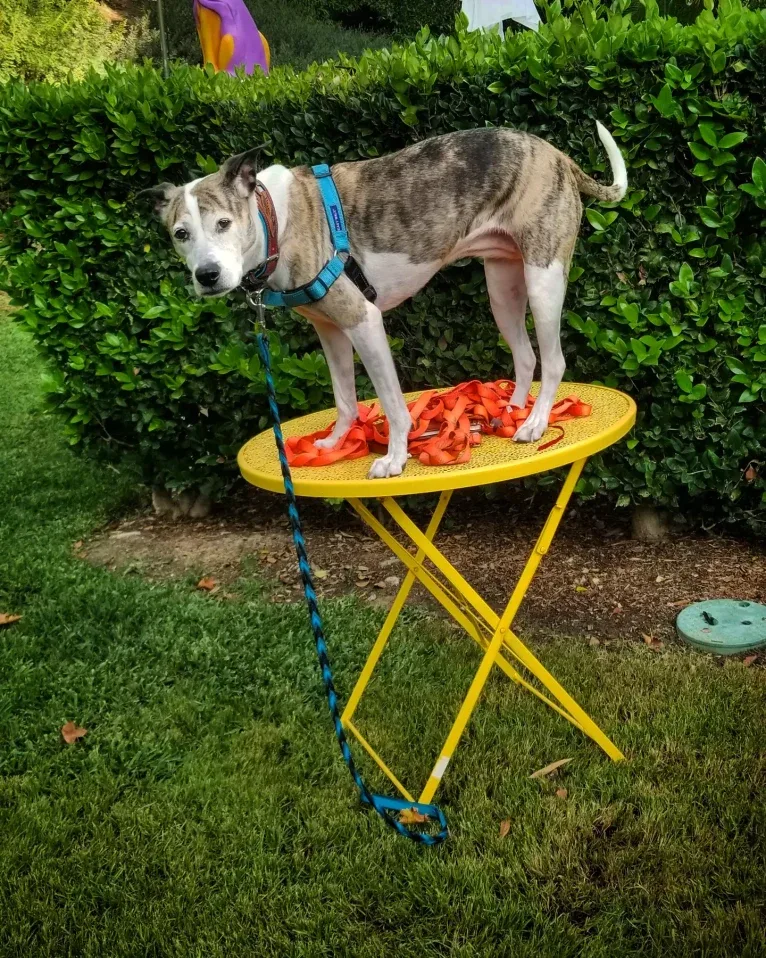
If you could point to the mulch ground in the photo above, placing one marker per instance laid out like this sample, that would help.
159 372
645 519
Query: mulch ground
595 581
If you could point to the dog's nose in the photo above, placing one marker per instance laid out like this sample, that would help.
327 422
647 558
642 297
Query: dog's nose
207 275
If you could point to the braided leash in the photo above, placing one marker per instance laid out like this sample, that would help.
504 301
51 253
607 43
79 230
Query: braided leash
382 805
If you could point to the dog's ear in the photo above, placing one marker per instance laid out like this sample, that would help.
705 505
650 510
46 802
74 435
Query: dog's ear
241 170
160 197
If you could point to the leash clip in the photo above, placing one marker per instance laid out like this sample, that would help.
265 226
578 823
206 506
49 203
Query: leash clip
255 301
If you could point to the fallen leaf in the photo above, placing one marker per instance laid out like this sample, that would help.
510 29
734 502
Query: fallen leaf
660 578
78 544
594 641
380 585
677 605
622 278
561 793
549 769
617 610
581 588
748 660
271 559
505 827
751 473
651 641
207 584
363 583
411 816
320 573
71 732
7 619
642 274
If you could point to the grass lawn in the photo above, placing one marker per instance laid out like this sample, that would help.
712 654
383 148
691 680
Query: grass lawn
207 812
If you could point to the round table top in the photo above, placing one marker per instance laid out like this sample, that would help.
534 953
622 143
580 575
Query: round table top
494 460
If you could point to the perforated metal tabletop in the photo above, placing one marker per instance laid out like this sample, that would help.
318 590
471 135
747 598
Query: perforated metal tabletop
495 460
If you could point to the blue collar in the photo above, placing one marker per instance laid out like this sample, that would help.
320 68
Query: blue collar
319 286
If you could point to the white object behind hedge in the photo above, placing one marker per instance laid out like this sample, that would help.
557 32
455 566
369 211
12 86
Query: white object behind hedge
490 13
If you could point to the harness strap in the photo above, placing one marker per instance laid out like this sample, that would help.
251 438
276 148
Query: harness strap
318 287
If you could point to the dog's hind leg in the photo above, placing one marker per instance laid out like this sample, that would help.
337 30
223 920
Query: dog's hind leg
546 287
369 340
508 298
339 354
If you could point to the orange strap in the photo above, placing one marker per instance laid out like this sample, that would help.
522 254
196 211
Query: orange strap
445 425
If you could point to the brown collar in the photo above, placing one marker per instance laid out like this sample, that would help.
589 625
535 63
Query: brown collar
268 217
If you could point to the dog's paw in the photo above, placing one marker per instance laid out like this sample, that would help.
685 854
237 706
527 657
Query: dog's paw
530 431
329 442
387 466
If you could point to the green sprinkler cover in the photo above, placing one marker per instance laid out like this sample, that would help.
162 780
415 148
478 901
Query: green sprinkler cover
723 626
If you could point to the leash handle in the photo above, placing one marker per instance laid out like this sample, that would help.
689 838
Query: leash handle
382 805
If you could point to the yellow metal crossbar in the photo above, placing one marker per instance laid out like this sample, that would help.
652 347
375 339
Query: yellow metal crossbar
498 628
493 461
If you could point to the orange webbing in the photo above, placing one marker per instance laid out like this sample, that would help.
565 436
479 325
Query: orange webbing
444 425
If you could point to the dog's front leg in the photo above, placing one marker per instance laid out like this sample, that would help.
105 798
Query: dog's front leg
369 340
340 358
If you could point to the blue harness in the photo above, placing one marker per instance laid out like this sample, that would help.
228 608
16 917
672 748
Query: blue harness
318 287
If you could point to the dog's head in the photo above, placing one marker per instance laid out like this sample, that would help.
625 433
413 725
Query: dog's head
212 224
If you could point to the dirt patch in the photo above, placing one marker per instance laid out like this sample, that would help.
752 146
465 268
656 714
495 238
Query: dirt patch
595 581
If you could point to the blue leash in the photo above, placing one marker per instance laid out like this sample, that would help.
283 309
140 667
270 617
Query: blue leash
382 805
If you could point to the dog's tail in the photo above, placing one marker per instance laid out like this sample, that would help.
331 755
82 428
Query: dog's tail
608 194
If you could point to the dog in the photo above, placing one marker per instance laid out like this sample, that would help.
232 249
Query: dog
496 193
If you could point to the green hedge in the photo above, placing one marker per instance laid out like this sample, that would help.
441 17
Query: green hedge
668 287
399 16
52 39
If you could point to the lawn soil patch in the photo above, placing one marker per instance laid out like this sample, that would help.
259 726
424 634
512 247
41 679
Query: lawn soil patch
595 581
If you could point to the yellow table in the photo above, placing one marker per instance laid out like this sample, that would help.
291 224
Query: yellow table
495 460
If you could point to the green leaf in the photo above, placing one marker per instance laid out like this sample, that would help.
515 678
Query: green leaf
759 174
709 217
664 102
597 220
683 380
708 134
700 151
730 140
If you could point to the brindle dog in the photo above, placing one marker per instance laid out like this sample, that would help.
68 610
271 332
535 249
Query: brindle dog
499 194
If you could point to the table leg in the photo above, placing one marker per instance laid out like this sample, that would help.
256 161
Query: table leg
395 610
504 636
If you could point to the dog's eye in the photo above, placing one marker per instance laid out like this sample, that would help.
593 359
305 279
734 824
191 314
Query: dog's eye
223 225
181 235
